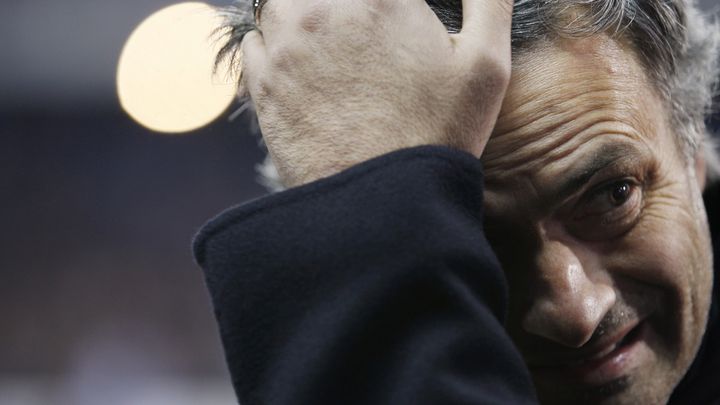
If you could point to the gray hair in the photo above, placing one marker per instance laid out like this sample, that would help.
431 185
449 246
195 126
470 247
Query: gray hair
678 48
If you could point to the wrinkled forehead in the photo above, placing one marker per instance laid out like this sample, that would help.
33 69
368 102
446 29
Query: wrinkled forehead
567 98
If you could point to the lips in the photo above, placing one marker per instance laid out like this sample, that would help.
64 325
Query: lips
601 361
593 350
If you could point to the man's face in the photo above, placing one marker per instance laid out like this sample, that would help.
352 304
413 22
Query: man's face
599 223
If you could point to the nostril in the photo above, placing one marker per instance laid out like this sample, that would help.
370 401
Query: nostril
565 329
570 320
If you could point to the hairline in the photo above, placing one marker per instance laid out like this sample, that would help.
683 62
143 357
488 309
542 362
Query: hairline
668 81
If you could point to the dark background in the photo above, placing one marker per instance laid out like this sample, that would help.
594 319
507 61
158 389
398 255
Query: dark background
100 300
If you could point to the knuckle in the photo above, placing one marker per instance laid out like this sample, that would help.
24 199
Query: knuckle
375 12
263 89
381 6
489 77
494 68
267 12
315 18
259 90
283 58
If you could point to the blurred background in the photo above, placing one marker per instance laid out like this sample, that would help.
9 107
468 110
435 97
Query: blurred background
100 300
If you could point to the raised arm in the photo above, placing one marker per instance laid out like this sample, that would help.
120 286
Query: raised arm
338 82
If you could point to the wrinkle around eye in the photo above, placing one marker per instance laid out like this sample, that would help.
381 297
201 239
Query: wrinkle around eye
608 223
659 206
603 196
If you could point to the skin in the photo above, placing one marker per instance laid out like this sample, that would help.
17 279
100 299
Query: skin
331 80
594 213
625 245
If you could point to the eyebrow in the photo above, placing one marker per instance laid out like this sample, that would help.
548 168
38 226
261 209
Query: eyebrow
605 156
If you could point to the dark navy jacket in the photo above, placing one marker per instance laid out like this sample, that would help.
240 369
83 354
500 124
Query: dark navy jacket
377 286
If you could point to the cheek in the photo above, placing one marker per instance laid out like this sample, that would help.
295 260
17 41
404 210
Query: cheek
655 255
669 245
668 251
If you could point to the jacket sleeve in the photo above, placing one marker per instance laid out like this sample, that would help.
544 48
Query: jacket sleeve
373 286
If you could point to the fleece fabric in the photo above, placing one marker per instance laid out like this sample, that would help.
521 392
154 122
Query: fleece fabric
374 286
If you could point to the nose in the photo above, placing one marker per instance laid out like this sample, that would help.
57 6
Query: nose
566 306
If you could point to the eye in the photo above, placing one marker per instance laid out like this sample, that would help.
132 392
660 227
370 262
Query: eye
608 210
610 196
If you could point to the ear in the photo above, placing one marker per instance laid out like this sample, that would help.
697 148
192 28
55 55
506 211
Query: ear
700 170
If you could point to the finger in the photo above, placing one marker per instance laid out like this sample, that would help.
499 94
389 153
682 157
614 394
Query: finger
254 56
257 8
486 26
271 16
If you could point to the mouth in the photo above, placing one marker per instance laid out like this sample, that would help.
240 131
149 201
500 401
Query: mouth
605 361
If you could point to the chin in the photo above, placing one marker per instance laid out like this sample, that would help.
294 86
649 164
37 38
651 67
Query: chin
644 367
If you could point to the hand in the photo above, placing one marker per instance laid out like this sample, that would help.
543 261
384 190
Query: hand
337 82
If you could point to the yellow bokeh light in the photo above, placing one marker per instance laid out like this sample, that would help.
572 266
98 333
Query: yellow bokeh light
165 77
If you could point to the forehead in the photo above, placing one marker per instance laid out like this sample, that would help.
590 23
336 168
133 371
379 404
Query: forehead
568 100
